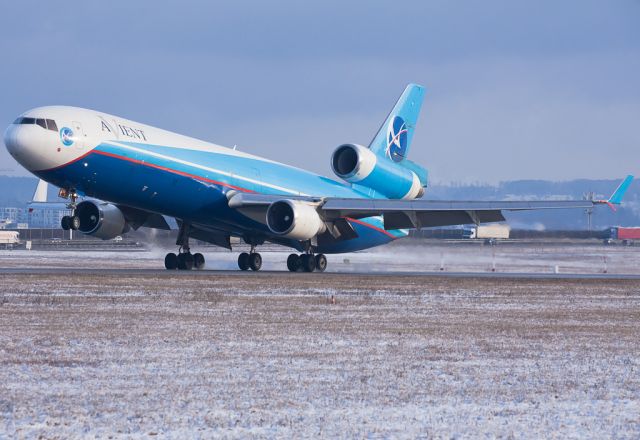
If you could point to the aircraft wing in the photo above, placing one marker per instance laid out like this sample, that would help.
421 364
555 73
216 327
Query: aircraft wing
402 214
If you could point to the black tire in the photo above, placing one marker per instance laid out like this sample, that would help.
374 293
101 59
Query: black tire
243 261
171 261
185 261
255 261
74 222
321 262
198 261
293 263
308 262
64 223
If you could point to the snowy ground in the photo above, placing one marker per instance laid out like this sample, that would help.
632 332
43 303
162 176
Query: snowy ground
271 355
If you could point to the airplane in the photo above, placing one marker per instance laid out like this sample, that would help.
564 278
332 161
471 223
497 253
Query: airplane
133 175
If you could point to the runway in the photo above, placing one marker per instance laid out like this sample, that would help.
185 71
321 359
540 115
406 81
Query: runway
525 260
318 277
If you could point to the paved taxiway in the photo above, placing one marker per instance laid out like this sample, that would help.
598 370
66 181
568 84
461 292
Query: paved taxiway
319 278
530 259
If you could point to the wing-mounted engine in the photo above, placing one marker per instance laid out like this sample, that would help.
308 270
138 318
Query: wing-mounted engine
294 219
100 219
359 165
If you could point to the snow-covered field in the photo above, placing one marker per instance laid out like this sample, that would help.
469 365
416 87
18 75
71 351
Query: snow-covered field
273 355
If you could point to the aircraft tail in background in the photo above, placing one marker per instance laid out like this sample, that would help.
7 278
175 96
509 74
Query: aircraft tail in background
40 195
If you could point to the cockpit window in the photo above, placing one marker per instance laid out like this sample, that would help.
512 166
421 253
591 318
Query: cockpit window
51 125
47 124
25 121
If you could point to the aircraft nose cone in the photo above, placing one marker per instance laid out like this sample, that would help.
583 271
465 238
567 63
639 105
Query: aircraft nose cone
20 145
10 139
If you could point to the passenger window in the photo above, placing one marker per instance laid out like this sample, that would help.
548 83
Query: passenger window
28 121
51 125
41 123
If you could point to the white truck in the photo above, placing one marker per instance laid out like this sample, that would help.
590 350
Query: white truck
9 239
488 232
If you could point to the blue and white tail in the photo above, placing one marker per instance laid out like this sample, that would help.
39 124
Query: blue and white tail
393 140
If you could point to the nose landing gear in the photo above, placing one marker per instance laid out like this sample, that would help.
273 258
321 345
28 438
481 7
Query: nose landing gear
70 222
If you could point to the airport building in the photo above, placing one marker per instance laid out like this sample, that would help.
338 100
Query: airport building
31 217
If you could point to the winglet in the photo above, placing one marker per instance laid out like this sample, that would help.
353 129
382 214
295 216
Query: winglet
618 194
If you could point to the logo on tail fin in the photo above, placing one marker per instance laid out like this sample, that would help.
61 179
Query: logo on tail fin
397 139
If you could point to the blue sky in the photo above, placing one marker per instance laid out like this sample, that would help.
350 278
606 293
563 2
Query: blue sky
515 89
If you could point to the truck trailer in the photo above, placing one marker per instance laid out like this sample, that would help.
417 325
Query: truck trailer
9 239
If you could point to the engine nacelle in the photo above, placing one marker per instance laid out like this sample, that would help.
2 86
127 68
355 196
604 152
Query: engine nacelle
358 164
100 219
294 219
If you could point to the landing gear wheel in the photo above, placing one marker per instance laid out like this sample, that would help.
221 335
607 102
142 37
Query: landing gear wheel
198 261
171 261
255 261
243 261
293 263
321 262
308 262
185 261
65 223
74 222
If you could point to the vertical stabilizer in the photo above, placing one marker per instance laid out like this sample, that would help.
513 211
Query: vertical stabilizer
394 137
41 192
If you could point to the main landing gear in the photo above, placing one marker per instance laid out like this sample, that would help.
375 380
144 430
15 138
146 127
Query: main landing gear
307 263
251 260
184 259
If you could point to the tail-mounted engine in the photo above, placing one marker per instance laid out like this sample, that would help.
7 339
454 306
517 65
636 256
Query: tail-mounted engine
100 219
294 219
357 164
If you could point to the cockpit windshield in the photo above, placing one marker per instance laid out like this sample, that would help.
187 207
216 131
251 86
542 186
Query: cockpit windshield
47 124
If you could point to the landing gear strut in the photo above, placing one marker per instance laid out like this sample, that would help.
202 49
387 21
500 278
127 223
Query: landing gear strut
184 260
70 222
307 263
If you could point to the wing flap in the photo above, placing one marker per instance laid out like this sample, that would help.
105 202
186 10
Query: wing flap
430 219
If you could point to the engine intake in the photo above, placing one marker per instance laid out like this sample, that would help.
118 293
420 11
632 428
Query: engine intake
358 164
102 220
294 219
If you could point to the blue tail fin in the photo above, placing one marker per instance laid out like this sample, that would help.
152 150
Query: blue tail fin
394 137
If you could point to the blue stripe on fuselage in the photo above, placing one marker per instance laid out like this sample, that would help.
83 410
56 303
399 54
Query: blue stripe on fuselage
186 184
277 178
